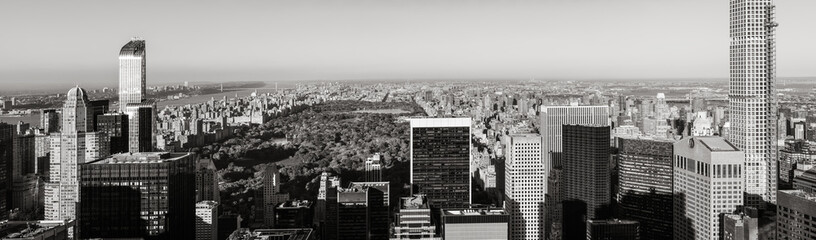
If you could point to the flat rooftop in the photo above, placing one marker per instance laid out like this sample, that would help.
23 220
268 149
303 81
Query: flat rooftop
439 122
474 212
142 158
716 144
264 234
801 194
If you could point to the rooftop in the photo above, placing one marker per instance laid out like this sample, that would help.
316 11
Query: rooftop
264 234
801 194
206 204
142 158
474 211
440 122
716 144
417 201
296 204
611 221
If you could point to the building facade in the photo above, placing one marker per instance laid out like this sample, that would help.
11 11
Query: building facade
794 215
474 224
132 73
752 95
613 229
708 182
115 125
440 160
206 220
414 219
587 178
524 186
141 126
644 194
148 194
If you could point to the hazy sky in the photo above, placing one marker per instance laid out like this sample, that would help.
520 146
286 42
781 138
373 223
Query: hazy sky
62 43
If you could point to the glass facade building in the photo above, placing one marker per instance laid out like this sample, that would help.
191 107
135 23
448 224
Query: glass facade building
645 185
440 160
132 73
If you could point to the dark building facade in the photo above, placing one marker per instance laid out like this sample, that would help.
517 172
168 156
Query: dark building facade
49 120
474 224
97 108
115 125
294 214
440 160
149 195
645 185
7 134
613 230
141 126
795 215
586 176
206 181
361 214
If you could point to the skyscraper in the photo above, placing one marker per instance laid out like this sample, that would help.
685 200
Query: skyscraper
132 195
132 73
271 194
613 229
524 186
414 219
474 224
440 160
206 220
7 134
752 95
361 214
552 119
586 179
645 185
115 126
49 120
373 169
71 147
141 126
708 182
206 181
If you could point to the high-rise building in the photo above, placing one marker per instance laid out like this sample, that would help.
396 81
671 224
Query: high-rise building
141 126
552 120
294 214
794 215
73 146
206 181
115 126
97 108
361 214
49 120
414 219
752 95
326 209
373 169
25 187
740 227
206 220
7 134
708 182
132 73
806 181
524 186
474 224
645 185
384 187
613 229
271 194
440 160
587 177
132 195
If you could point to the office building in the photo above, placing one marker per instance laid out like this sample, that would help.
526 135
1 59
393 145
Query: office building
384 187
361 214
206 181
326 209
132 73
97 108
806 181
373 169
120 192
440 160
613 229
414 219
7 135
552 119
795 213
587 178
271 195
740 227
752 95
708 182
273 234
71 147
25 182
645 185
49 120
474 224
115 126
294 214
141 126
524 186
206 220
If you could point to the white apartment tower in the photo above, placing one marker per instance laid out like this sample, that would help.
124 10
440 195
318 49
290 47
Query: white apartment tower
524 186
206 221
708 182
132 72
751 94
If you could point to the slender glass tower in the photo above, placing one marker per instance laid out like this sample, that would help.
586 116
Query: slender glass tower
132 71
753 105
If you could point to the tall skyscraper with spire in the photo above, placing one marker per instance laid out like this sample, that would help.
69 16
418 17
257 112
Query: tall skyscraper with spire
751 94
132 72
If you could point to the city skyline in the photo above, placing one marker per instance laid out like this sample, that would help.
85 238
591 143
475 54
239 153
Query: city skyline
273 41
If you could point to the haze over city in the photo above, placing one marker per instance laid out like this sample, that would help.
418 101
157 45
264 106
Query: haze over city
69 43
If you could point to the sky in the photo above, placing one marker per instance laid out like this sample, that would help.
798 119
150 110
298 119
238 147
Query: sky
65 43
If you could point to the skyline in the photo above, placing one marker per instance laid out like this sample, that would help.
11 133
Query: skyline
333 41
